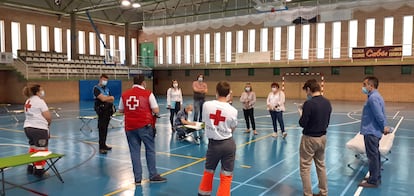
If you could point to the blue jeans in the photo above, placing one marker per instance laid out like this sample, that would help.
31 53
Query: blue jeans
134 138
374 158
198 110
277 116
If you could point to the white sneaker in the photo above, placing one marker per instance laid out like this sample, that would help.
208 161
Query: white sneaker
274 134
284 135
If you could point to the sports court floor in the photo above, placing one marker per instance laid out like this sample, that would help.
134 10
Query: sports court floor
264 165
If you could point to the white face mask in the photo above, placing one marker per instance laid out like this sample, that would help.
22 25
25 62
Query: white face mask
42 93
247 89
200 79
274 89
104 82
175 85
189 113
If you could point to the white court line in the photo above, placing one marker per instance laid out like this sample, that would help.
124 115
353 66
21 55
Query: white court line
360 188
395 116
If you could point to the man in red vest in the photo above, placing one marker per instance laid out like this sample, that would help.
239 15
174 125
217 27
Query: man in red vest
140 108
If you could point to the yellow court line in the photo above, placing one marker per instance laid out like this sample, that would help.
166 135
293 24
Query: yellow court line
12 130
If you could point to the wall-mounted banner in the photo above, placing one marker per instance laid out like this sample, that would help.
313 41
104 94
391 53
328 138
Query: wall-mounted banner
377 52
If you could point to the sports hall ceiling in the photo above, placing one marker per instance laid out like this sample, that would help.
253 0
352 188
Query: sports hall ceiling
151 12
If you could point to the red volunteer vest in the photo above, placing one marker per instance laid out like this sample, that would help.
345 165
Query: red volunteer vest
137 108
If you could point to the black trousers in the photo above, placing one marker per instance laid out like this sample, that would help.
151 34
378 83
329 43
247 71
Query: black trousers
103 122
249 115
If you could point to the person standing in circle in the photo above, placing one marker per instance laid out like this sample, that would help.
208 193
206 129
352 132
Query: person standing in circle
200 89
174 101
276 106
36 125
104 108
248 99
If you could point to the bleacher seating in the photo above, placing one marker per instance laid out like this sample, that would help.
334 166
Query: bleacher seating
52 64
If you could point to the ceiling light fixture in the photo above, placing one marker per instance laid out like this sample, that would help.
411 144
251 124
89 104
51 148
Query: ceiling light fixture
136 5
127 3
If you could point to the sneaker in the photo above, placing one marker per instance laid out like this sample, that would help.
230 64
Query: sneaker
107 148
30 169
284 135
247 131
274 134
367 185
158 179
255 132
138 183
38 172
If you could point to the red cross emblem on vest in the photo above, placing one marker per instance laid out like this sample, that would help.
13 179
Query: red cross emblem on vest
27 106
217 117
132 103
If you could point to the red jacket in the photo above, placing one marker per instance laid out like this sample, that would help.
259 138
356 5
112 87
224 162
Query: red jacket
137 108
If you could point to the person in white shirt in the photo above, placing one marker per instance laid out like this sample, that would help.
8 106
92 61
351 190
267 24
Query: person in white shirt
174 100
248 99
36 124
220 120
276 106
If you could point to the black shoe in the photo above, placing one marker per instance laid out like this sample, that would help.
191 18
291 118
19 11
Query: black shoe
158 179
103 151
38 172
138 183
107 148
30 169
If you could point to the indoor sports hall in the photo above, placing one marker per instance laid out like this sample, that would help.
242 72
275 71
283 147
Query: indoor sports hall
66 45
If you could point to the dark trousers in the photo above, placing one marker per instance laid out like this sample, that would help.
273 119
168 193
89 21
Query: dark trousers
277 117
198 110
173 112
249 116
103 122
374 158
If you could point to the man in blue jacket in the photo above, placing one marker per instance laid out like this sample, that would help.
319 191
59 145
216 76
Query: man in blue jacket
373 125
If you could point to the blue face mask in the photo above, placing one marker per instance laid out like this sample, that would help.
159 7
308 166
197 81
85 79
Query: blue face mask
365 90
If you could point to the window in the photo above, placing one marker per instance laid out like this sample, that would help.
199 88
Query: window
68 44
336 40
252 41
58 39
370 32
197 48
177 49
320 41
369 70
112 44
92 43
217 47
407 35
15 35
2 45
406 70
291 42
388 31
168 49
44 33
335 70
101 45
121 44
31 37
228 51
352 36
277 42
264 38
134 51
187 53
250 71
81 39
239 43
160 49
305 41
276 71
227 72
207 48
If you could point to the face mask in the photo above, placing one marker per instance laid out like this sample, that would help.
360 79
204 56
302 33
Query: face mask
175 85
365 90
308 97
200 79
104 82
274 89
42 93
189 113
247 89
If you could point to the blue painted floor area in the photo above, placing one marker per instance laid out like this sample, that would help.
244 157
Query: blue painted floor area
264 165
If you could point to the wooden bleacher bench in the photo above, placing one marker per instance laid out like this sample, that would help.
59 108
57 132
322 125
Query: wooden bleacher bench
25 159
